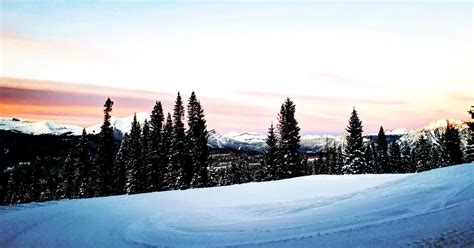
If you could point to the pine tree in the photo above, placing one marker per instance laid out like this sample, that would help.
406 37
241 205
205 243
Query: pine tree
234 173
422 154
382 152
169 175
197 136
322 165
157 147
134 162
22 194
332 159
451 145
178 158
355 159
102 182
408 165
37 181
371 166
84 167
470 139
260 174
395 161
120 166
69 183
18 185
239 171
246 173
289 142
268 168
338 161
156 124
214 174
11 196
147 171
438 157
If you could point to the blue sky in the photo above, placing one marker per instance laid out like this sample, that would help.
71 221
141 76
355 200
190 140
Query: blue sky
327 55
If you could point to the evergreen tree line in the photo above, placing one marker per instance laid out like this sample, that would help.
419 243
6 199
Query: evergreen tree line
362 157
355 156
162 154
156 155
281 158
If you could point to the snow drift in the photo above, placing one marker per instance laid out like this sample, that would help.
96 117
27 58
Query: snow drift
429 208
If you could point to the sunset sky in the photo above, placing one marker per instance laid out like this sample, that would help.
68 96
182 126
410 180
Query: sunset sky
400 64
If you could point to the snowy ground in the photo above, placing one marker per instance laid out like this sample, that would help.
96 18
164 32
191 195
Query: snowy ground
430 208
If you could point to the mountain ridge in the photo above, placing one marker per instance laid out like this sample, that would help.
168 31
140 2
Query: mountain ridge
245 141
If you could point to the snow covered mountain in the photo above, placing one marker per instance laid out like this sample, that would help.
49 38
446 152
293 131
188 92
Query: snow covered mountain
428 209
37 128
122 125
254 142
319 142
433 132
247 141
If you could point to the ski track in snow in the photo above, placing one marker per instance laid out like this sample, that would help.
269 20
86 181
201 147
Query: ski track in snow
432 209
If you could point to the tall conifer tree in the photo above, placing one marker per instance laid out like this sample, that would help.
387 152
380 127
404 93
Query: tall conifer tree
370 158
121 162
11 195
84 167
438 157
408 164
470 138
451 145
422 154
157 146
382 152
69 183
37 183
148 171
197 136
134 162
354 151
169 176
270 156
178 159
395 161
289 142
102 182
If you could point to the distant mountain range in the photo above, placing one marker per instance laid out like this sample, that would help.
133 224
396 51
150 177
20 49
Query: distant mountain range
247 141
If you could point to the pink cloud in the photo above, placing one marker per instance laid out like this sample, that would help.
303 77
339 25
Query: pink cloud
82 105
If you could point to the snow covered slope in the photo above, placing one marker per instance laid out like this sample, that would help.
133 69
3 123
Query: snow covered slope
432 208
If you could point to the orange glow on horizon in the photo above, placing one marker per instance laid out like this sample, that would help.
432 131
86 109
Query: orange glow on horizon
81 105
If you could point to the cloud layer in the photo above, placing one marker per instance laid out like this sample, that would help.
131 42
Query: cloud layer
235 111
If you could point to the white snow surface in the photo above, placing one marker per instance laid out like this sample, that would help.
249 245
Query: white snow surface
37 128
247 137
398 131
433 208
